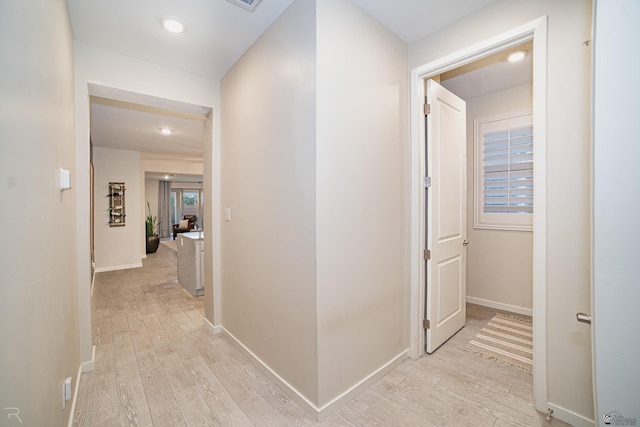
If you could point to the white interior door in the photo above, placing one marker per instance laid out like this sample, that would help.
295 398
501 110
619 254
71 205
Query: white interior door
446 210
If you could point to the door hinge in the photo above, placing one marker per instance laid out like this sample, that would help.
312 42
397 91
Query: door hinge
426 324
427 109
427 254
427 182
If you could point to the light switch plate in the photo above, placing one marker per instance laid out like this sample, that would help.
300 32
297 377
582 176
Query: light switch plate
65 179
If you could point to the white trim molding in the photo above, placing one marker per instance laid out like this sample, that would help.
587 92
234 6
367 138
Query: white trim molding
118 267
535 30
570 417
93 282
319 413
210 327
500 306
335 404
72 410
84 367
88 366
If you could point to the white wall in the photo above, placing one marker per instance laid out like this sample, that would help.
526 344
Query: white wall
38 305
112 70
499 262
615 211
362 197
189 185
568 166
318 191
268 182
117 248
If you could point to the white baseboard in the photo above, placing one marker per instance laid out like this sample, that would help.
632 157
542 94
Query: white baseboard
215 330
290 390
72 411
570 417
88 366
361 386
500 306
84 367
93 281
320 413
118 267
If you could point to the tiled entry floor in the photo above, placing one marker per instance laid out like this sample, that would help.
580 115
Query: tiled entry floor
156 365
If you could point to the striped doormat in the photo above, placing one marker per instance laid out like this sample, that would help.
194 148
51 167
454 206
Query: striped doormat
507 339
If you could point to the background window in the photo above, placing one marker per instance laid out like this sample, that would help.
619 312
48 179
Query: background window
504 172
186 201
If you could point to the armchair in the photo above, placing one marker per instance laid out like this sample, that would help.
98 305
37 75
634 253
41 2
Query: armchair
187 224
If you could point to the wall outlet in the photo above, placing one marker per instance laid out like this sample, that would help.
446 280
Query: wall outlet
66 391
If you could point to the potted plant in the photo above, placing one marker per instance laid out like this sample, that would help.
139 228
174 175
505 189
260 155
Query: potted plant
151 229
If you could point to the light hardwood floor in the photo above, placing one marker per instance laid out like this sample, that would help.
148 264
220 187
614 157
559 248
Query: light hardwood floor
156 366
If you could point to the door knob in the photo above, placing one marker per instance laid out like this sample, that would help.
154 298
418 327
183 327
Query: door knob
465 243
583 317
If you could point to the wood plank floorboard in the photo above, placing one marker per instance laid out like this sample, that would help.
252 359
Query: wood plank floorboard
134 410
216 395
156 365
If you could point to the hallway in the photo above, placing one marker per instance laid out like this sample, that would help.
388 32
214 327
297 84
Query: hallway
156 365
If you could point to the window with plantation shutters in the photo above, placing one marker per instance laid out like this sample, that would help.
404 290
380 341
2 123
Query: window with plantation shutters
504 172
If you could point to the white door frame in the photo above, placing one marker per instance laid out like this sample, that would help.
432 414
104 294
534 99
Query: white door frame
535 30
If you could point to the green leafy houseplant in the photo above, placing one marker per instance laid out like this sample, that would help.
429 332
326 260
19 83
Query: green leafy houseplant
151 223
151 228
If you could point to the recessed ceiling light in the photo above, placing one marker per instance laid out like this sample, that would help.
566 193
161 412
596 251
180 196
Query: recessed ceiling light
517 56
166 131
173 25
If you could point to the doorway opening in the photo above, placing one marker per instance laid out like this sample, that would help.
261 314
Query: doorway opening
494 203
185 152
535 32
128 136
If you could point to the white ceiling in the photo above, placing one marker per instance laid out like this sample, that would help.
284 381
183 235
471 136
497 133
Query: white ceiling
125 126
217 31
217 34
412 20
174 177
490 74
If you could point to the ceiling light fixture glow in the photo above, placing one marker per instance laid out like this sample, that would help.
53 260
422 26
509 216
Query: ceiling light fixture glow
166 131
517 56
173 25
